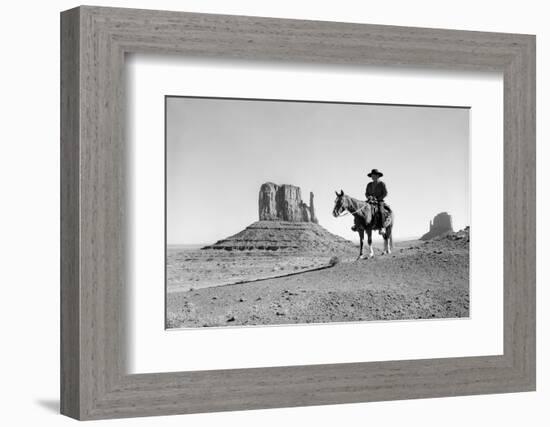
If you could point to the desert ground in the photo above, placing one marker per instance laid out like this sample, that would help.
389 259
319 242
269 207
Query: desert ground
419 280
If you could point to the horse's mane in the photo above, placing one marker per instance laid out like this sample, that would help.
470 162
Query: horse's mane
357 202
360 209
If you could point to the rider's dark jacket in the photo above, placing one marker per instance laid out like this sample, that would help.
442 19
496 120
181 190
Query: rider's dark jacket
376 189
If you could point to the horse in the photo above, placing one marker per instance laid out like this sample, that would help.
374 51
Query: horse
364 220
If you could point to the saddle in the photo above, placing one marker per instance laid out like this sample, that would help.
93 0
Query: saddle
376 209
374 203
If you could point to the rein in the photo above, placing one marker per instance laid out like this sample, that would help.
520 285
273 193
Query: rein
346 212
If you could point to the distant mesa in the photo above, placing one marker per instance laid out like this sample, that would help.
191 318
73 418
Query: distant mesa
284 203
285 223
441 225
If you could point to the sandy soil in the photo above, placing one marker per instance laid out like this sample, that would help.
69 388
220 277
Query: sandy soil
190 269
420 280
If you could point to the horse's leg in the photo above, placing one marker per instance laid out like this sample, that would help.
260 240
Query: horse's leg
369 241
361 238
389 240
387 249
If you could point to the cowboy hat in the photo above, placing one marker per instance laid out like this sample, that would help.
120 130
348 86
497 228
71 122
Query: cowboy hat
375 172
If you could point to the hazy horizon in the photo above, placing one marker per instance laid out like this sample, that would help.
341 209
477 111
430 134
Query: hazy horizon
220 151
199 245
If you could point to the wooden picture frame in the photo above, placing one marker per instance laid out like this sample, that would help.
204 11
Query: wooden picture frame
94 41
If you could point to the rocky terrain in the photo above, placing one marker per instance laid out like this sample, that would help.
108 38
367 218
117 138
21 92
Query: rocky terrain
191 269
420 280
282 235
287 269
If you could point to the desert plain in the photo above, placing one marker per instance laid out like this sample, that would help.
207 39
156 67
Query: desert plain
247 287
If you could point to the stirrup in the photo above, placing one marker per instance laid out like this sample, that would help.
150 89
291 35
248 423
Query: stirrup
382 231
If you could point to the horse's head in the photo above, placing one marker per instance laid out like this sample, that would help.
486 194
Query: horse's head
340 204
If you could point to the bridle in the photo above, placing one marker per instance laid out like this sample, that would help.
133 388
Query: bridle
346 212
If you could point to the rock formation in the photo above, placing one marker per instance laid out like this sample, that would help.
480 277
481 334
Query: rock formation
312 208
441 225
286 223
284 203
283 235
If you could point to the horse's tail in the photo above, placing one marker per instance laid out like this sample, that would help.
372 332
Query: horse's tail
391 233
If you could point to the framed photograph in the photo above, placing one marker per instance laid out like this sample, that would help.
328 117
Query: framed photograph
262 213
286 263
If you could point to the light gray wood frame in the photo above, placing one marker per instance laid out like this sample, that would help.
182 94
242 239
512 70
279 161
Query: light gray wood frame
94 382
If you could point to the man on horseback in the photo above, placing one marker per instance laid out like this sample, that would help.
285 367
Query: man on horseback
366 214
376 192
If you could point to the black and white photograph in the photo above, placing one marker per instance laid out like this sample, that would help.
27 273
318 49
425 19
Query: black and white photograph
297 212
244 213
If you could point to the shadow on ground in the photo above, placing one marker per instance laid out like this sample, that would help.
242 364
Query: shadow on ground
51 405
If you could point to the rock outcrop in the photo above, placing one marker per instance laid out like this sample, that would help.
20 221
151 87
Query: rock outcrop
312 208
286 223
283 235
441 225
284 203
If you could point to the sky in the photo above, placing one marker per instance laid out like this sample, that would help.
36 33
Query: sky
220 151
